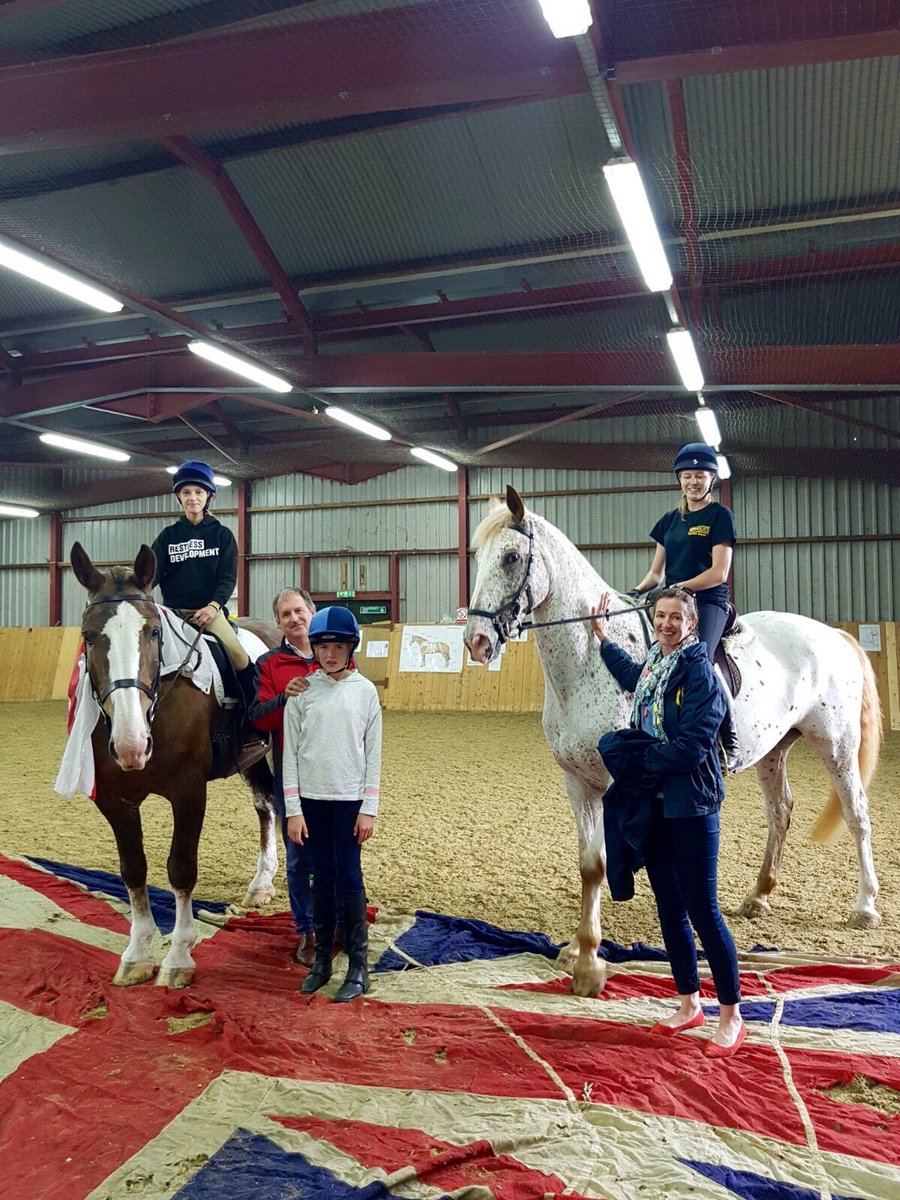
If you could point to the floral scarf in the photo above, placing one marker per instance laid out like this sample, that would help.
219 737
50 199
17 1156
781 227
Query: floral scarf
652 684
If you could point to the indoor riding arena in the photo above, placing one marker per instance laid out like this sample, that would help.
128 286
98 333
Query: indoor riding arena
474 369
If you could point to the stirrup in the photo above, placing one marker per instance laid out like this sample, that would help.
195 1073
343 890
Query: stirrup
250 753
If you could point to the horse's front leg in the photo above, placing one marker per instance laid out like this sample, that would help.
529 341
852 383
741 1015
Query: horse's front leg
137 964
188 809
580 956
261 888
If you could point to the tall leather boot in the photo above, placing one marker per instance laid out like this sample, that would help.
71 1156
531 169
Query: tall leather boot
255 744
323 927
356 942
728 738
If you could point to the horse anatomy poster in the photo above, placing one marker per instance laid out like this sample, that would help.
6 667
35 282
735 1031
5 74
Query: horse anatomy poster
432 648
469 1070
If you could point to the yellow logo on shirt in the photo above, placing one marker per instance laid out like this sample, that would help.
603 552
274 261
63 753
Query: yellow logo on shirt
699 531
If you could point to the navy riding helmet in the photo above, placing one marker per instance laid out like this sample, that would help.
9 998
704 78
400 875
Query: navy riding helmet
696 456
334 624
197 472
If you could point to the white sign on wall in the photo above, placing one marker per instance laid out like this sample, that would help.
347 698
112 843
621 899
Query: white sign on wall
870 638
432 648
377 649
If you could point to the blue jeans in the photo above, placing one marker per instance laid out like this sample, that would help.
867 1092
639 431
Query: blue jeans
298 868
711 622
336 854
682 860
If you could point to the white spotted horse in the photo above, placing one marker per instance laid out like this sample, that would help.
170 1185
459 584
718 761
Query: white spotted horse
155 736
801 678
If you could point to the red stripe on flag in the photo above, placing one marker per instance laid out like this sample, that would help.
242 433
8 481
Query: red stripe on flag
66 895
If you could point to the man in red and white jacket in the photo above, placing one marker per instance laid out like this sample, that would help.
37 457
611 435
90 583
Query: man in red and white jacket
280 674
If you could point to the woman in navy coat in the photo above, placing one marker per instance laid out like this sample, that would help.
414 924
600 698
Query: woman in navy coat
678 702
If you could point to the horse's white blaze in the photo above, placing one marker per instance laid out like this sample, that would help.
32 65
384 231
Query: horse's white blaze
129 725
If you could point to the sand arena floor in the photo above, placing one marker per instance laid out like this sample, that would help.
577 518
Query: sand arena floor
474 822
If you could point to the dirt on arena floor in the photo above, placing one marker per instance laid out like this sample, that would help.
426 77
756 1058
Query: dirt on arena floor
474 822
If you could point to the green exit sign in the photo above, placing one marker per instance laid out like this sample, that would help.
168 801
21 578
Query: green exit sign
345 595
373 610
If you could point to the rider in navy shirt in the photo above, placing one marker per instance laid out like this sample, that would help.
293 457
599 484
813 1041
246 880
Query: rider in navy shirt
695 543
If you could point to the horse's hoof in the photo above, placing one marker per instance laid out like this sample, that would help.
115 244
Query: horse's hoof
755 907
258 898
131 973
175 977
864 920
590 981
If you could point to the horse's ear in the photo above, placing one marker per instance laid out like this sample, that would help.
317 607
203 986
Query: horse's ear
145 568
85 571
514 504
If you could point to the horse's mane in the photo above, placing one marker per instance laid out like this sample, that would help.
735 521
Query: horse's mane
490 528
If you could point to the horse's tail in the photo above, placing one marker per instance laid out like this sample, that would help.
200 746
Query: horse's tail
827 828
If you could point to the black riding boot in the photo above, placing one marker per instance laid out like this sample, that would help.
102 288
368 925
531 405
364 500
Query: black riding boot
323 926
255 744
728 738
356 943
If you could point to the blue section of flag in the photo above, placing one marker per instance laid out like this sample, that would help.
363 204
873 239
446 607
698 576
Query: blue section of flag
250 1165
162 904
750 1186
862 1012
434 940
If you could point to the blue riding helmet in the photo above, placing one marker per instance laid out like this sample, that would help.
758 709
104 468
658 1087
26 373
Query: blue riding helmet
334 624
197 472
696 456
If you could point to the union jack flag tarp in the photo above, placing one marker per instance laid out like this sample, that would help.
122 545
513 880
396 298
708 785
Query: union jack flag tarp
468 1071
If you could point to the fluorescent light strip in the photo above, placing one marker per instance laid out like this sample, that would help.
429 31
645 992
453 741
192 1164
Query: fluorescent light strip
41 272
724 467
709 426
681 344
240 366
358 423
14 510
69 443
567 18
221 481
436 460
633 207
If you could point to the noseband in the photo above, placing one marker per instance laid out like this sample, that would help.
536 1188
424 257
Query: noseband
508 610
151 692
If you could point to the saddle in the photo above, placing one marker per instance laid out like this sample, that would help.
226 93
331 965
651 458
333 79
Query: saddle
723 660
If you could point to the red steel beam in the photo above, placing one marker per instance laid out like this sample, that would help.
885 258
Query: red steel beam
185 150
243 540
394 577
462 515
579 414
56 553
311 71
822 411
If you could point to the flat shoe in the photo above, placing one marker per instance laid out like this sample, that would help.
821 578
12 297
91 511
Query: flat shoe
670 1030
714 1050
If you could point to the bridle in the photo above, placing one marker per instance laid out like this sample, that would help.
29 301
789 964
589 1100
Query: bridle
509 608
152 691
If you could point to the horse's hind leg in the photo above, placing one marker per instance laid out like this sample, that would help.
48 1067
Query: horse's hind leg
137 964
188 809
589 971
771 771
840 757
261 888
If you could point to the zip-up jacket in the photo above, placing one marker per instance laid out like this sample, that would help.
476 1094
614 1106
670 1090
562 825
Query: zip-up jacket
274 671
196 563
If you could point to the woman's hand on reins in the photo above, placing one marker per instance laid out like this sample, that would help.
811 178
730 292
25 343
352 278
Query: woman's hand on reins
599 616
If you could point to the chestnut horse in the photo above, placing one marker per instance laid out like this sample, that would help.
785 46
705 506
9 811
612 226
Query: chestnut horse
154 736
800 679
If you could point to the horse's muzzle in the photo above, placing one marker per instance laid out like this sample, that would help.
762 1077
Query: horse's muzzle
132 756
480 647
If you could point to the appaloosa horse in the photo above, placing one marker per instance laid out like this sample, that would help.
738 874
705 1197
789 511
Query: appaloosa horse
154 736
800 679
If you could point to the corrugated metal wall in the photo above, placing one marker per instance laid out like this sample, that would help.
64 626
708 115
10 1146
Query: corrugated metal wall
842 580
24 594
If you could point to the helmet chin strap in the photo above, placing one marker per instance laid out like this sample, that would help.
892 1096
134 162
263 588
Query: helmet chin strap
345 667
708 491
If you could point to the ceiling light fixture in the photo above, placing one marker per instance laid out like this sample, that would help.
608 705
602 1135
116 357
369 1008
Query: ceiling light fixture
709 426
633 207
567 18
724 467
221 481
15 510
436 460
358 423
63 442
681 344
33 267
240 366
